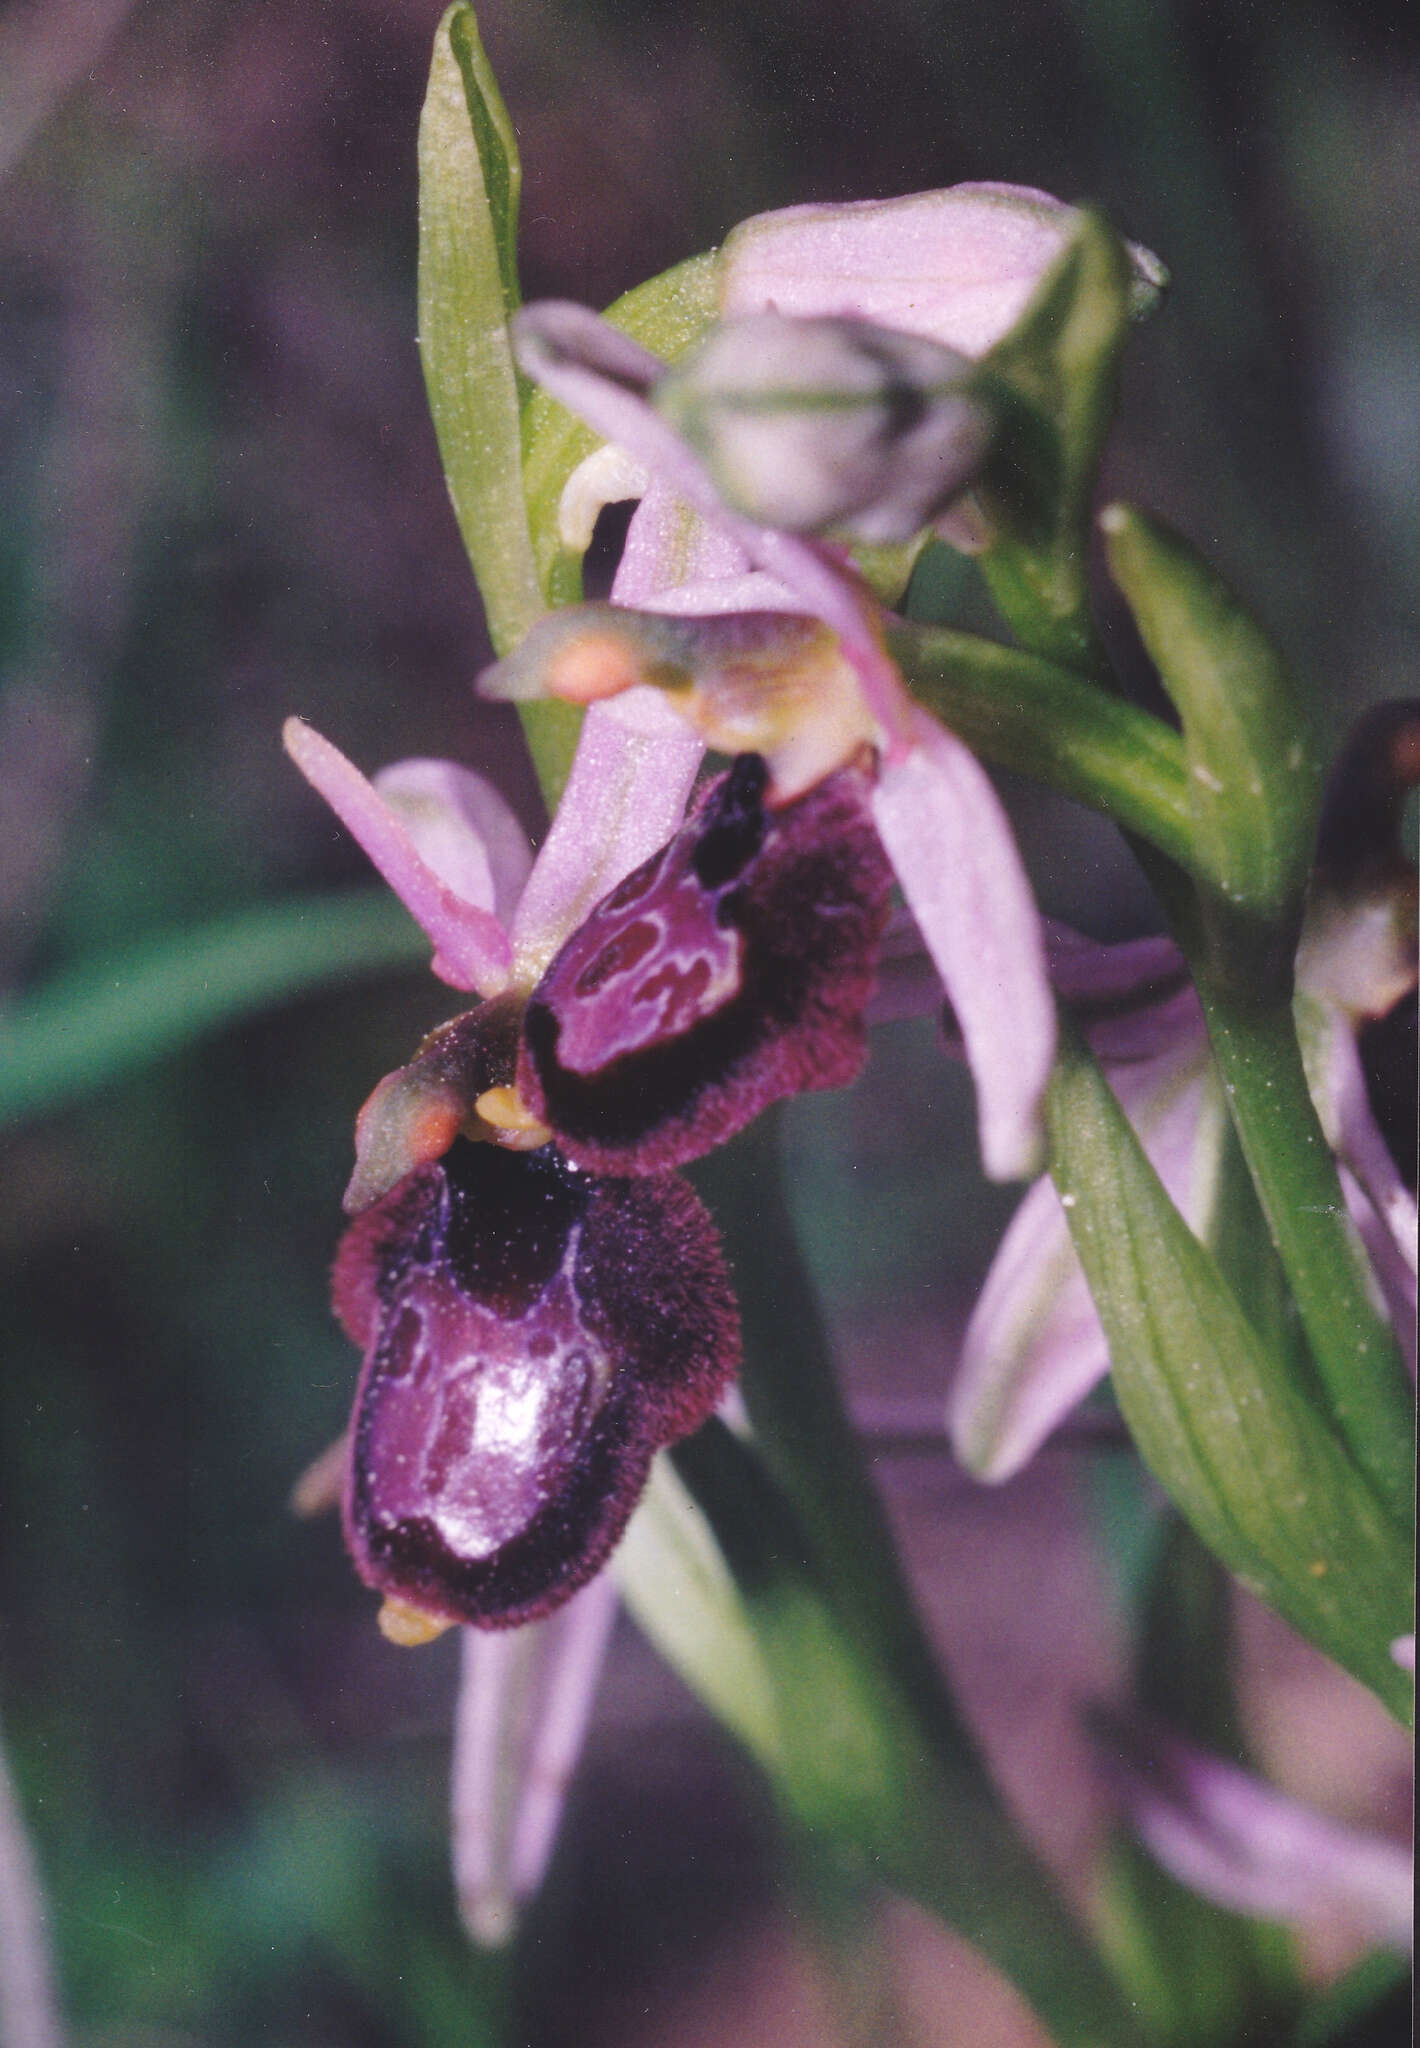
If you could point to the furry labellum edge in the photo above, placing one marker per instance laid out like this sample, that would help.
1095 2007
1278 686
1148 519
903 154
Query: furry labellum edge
532 1336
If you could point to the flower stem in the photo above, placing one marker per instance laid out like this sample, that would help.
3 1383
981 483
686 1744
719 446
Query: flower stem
950 1844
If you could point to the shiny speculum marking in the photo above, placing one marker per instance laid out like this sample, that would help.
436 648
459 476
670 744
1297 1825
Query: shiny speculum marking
532 1336
730 969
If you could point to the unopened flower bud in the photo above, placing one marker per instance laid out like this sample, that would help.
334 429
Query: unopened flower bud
816 425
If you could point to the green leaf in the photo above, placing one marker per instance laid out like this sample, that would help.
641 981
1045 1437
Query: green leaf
468 201
1253 780
668 315
1044 720
102 1019
853 1762
1242 1451
1361 1375
1052 382
899 1784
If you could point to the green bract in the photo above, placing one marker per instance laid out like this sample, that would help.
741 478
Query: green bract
1244 1450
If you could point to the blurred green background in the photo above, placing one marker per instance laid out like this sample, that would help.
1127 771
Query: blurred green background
221 503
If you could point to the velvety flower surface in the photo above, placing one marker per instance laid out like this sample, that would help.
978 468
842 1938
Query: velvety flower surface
532 1335
732 968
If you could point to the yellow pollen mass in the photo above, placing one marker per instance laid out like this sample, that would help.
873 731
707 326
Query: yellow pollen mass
409 1626
511 1119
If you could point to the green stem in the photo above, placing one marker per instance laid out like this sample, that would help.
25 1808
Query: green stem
1357 1359
951 1845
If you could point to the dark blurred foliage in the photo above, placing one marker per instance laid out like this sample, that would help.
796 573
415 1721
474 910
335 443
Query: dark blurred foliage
221 502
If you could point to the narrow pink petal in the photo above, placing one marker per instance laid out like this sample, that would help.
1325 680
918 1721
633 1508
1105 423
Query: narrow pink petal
1134 999
602 377
462 828
1225 1833
525 1697
1033 1347
948 839
493 1663
636 761
574 1660
471 946
1086 970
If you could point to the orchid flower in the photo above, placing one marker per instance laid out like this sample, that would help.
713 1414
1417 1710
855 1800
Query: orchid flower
1034 1346
934 809
832 398
1225 1833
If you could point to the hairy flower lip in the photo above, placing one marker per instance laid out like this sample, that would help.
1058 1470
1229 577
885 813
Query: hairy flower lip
532 1336
731 969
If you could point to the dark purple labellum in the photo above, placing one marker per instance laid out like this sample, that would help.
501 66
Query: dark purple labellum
532 1336
730 969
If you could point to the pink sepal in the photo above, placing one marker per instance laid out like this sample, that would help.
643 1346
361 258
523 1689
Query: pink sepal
525 1697
947 836
1034 1347
471 949
1233 1838
958 266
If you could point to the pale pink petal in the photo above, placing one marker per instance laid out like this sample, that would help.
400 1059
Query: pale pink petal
1402 1651
471 946
1134 999
635 763
668 544
715 597
525 1696
1034 1346
462 828
958 266
1129 971
675 561
1225 1833
947 836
